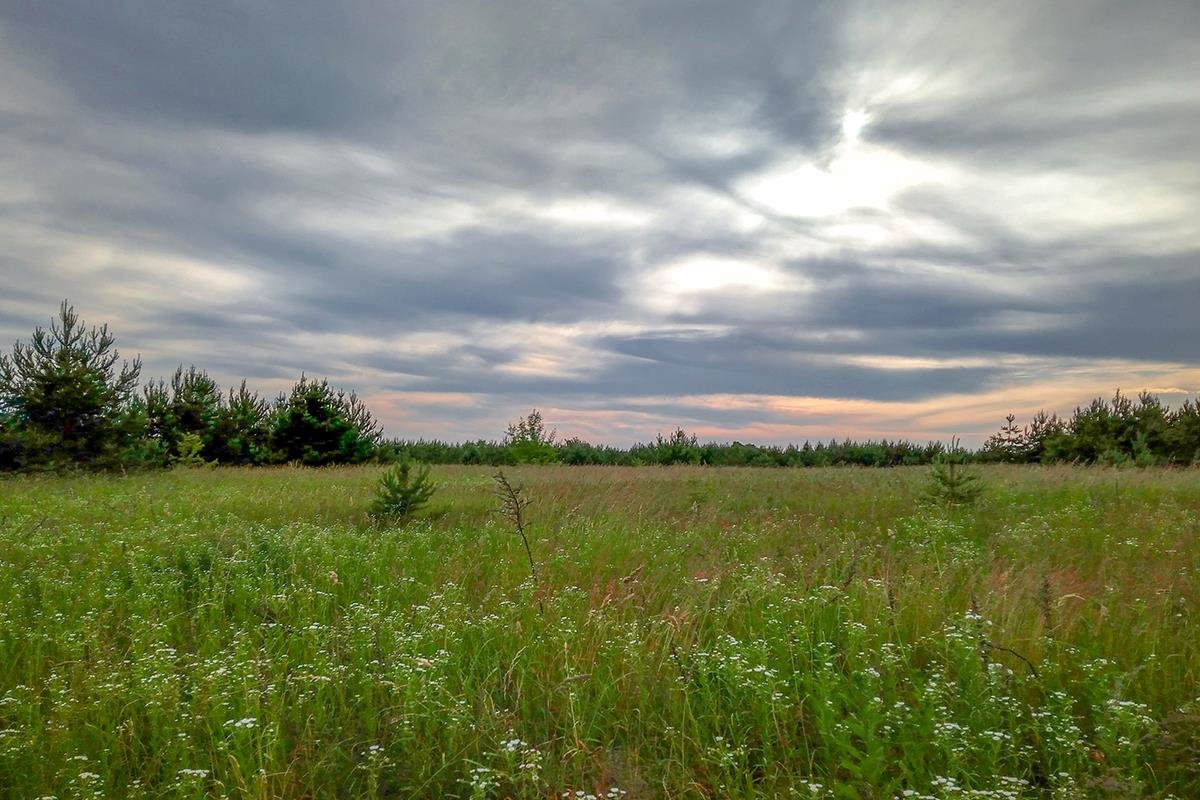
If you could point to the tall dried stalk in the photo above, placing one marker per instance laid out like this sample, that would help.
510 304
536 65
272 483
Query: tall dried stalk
512 507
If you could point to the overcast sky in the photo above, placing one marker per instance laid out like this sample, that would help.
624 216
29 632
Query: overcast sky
762 221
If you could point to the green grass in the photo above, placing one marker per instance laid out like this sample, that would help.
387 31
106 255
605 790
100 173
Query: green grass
706 633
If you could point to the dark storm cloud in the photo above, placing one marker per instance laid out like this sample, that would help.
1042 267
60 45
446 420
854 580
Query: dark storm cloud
269 66
532 202
1130 320
1061 314
688 364
750 364
425 67
1087 81
472 274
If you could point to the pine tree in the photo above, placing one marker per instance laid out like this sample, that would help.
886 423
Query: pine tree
1043 437
190 446
1010 444
402 491
316 425
190 404
951 481
240 432
65 395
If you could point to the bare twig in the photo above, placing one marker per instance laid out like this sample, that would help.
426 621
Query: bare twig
512 508
1011 652
1046 605
977 618
985 645
852 572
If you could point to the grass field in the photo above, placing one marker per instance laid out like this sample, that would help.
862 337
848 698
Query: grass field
692 632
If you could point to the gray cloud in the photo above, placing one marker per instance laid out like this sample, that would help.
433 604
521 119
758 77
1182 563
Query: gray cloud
584 205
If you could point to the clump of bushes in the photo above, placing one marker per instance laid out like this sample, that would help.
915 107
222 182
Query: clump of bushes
680 447
68 401
528 441
1119 431
317 425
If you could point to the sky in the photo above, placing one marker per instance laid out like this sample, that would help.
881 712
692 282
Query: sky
761 221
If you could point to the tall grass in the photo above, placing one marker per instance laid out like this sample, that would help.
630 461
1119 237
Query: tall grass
705 633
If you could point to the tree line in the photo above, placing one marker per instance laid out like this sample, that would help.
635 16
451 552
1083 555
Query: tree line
534 445
1141 432
68 400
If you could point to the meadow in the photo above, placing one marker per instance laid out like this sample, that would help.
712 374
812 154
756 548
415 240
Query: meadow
689 632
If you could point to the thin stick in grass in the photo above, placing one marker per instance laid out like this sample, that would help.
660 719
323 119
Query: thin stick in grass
512 508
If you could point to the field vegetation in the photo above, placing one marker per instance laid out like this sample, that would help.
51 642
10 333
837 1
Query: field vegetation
685 632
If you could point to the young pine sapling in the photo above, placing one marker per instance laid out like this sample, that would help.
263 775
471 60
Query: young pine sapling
403 490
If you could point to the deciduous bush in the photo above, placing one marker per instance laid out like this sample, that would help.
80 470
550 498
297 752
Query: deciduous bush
189 449
529 442
678 448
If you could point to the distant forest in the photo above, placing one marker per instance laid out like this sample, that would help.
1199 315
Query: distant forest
68 401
